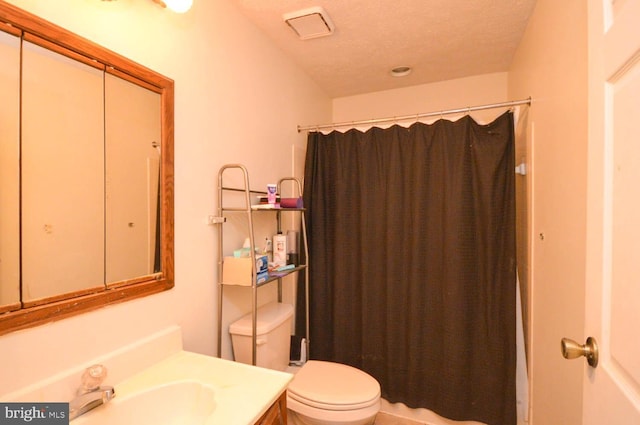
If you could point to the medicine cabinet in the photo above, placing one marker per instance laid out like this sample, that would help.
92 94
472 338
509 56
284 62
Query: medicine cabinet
86 174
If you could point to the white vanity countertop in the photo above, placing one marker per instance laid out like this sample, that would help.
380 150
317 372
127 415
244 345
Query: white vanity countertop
243 393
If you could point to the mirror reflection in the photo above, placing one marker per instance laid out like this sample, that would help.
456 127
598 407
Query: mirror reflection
132 173
90 164
62 175
9 169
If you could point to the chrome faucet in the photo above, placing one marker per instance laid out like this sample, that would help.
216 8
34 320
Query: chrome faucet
91 394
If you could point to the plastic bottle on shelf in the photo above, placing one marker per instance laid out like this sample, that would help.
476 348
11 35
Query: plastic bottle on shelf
279 250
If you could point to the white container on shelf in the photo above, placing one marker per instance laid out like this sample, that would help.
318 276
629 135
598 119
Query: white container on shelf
279 250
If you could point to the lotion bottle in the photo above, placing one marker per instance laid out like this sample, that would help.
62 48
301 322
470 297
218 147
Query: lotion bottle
279 250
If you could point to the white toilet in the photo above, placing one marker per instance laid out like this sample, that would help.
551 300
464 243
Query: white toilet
321 393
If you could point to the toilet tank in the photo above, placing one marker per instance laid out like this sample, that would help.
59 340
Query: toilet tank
273 335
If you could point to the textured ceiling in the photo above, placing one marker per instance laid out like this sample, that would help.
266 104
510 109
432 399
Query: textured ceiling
439 39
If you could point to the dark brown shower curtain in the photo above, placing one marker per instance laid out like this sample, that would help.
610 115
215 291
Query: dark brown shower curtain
412 256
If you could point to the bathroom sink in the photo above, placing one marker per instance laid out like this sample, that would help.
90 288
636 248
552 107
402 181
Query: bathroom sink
184 402
156 382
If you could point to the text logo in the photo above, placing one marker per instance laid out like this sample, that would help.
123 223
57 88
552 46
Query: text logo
34 413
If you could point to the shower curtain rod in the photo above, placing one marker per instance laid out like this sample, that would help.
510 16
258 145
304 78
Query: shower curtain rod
416 116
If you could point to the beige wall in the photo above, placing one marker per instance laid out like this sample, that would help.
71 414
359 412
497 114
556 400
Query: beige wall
228 77
451 94
551 66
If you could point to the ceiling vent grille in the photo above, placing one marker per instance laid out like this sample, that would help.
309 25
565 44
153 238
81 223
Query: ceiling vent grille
309 23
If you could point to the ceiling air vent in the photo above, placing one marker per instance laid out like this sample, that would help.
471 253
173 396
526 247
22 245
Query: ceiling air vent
309 23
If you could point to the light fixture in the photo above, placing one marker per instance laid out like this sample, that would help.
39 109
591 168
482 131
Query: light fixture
401 71
178 6
309 23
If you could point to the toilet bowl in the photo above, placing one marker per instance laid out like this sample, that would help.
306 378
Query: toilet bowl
327 393
321 393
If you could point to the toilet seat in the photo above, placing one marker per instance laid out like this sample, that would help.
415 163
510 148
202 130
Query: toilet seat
333 386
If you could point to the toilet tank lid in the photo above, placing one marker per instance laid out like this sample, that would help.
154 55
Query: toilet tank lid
270 316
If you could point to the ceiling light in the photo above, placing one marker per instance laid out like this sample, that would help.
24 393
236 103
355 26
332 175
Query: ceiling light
309 23
401 71
178 6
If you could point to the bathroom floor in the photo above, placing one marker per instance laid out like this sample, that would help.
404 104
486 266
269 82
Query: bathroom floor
384 418
387 419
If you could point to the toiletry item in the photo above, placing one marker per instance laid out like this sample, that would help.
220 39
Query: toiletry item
268 249
271 193
279 250
292 247
264 199
291 202
267 246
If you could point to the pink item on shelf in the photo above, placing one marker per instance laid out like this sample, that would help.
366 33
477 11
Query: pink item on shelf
291 203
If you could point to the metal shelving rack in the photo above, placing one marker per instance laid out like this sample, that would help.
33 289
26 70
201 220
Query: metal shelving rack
220 219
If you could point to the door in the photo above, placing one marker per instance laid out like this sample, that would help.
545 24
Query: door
612 390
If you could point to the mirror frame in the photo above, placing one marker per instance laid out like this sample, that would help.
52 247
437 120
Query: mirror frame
18 316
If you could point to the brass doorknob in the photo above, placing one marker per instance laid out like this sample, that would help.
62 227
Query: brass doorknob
573 350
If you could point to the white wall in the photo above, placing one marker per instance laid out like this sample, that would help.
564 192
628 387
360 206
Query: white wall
237 99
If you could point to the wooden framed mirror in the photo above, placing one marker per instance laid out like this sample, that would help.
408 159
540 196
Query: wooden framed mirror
86 160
